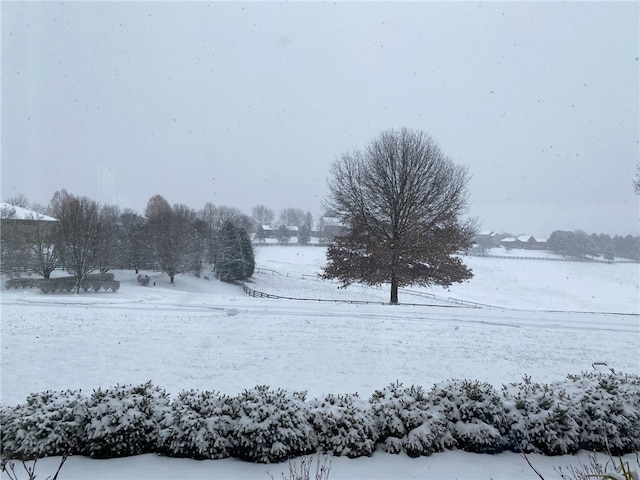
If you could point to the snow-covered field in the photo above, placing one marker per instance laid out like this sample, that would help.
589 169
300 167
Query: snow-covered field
557 318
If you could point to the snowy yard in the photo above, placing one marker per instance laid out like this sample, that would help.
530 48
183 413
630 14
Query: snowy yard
558 318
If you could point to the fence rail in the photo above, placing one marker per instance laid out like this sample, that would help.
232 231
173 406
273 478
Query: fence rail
454 301
255 293
551 259
273 272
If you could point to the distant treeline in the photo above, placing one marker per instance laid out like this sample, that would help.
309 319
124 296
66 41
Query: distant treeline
87 237
581 244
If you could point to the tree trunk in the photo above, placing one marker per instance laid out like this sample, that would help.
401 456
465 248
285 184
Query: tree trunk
171 282
394 291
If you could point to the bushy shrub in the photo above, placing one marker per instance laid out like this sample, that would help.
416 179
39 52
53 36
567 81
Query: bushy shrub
107 277
67 284
62 284
344 425
144 280
22 283
543 417
406 422
608 411
124 420
589 411
272 425
476 415
49 423
198 425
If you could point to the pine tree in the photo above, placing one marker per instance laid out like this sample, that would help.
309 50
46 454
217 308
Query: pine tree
260 234
247 254
234 256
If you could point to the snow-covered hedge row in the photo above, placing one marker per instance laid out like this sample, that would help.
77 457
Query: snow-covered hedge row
27 282
67 284
95 281
592 411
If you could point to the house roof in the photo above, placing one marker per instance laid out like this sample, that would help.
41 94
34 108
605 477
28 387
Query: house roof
525 238
332 222
11 212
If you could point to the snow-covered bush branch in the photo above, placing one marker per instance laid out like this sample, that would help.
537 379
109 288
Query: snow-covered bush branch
591 411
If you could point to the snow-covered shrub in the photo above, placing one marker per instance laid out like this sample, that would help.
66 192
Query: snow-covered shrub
608 411
96 285
198 425
476 415
271 425
344 425
144 280
543 417
49 423
407 422
62 284
22 283
124 420
94 282
107 276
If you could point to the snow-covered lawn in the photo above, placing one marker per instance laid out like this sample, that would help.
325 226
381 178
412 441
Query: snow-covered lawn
208 335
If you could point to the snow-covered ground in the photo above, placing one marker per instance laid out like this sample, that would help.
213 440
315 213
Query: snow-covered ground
521 284
209 335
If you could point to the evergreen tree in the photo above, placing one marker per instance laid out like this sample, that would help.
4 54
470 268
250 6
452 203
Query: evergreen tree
260 235
304 235
247 254
234 256
609 253
283 234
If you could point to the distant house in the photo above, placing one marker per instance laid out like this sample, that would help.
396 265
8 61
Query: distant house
508 243
484 241
17 226
529 242
526 242
268 232
332 227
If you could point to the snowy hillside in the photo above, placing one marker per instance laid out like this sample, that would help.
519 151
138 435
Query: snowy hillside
520 284
205 334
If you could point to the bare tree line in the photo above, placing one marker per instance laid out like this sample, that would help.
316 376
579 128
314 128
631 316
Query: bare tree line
401 199
87 236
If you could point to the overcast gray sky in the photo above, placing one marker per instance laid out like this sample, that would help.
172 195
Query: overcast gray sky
242 104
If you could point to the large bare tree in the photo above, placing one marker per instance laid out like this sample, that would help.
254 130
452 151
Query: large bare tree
403 201
262 215
176 236
78 233
292 217
40 239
